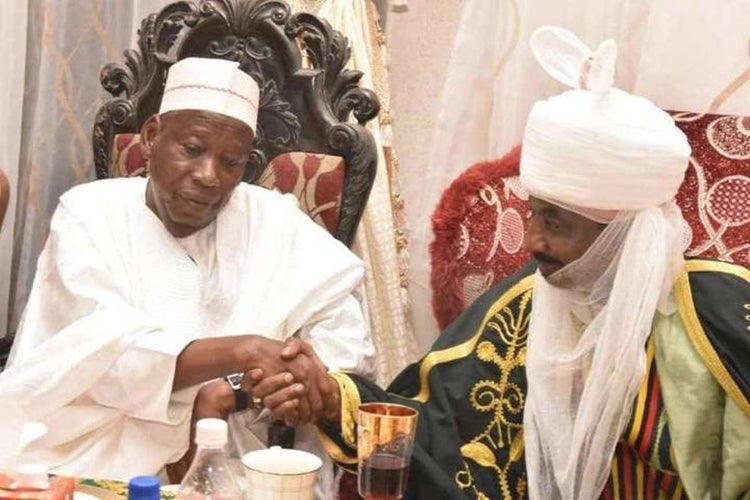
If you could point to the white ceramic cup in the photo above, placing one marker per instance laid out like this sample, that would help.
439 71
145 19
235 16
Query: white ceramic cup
281 474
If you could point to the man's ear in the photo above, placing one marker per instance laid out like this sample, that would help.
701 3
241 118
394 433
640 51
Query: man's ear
149 132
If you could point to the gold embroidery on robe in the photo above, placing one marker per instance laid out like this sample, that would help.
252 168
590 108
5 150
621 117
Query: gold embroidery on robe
503 398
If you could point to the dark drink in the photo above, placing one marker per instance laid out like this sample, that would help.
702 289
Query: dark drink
383 477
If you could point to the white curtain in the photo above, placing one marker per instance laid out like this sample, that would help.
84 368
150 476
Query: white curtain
13 62
68 41
53 51
379 239
683 55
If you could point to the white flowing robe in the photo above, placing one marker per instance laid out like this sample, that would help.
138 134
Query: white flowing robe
116 298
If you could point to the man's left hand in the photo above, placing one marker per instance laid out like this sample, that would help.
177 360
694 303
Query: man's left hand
281 395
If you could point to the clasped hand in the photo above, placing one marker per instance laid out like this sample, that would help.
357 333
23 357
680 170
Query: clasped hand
291 381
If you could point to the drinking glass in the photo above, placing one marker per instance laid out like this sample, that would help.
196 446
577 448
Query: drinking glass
385 439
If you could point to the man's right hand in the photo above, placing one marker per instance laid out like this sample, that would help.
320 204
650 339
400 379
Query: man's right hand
284 395
271 358
215 357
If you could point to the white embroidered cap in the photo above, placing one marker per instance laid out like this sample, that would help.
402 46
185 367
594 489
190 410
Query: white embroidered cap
215 85
597 147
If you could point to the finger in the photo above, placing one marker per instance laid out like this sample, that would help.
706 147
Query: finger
292 419
332 400
304 409
317 363
305 348
293 346
315 397
270 385
307 372
289 393
287 412
251 378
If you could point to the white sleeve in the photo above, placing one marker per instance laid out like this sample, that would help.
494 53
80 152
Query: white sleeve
327 276
81 336
341 338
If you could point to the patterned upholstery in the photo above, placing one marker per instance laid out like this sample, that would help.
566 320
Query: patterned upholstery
315 179
479 222
127 157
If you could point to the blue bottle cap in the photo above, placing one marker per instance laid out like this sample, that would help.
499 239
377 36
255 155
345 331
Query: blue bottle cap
144 487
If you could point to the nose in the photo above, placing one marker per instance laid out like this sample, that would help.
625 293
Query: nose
206 173
533 239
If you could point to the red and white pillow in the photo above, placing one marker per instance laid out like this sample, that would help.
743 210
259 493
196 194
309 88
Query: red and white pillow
480 220
315 179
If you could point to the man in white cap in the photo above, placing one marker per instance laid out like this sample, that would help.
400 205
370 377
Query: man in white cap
148 288
611 367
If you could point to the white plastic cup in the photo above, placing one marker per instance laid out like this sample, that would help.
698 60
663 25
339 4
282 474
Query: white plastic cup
281 474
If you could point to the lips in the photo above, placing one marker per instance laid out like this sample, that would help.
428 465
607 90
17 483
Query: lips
547 265
197 200
547 268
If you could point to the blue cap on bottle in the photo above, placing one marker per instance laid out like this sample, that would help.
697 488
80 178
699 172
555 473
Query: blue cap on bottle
144 488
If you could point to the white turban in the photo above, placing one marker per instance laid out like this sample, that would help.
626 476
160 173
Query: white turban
215 85
615 158
597 147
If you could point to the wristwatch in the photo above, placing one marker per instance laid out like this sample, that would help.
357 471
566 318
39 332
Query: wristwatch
241 398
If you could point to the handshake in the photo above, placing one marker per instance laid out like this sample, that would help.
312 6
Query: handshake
289 379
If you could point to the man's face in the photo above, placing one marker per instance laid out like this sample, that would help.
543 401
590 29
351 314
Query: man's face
556 237
196 159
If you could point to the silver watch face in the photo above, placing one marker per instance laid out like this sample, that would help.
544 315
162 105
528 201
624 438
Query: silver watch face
235 380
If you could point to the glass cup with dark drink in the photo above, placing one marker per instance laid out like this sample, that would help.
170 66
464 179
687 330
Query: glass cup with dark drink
385 439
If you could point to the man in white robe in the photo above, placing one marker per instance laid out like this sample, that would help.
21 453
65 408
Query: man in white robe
148 288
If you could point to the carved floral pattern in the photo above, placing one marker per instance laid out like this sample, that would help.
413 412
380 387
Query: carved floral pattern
302 107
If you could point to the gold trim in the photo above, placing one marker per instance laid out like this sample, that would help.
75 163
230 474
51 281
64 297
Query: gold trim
688 314
333 450
679 491
642 393
615 476
462 350
700 265
350 401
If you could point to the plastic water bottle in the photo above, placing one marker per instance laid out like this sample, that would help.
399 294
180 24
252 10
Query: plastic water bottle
144 488
210 476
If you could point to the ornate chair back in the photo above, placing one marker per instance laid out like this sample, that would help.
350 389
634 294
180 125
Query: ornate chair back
306 143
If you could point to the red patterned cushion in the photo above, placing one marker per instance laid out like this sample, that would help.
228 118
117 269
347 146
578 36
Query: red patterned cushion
479 222
316 180
127 157
715 196
478 226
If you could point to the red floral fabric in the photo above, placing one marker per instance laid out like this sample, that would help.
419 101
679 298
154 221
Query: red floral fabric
478 226
715 195
127 157
480 220
316 180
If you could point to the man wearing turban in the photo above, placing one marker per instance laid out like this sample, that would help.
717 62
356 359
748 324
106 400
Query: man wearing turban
609 367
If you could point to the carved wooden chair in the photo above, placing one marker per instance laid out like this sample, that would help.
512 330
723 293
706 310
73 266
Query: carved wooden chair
305 144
